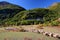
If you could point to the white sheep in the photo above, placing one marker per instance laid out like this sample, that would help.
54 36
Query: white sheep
41 31
55 35
58 37
26 30
30 30
46 33
35 31
51 34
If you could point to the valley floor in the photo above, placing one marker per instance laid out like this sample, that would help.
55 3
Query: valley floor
29 35
24 36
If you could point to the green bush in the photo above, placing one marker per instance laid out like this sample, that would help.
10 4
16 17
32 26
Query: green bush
55 23
29 22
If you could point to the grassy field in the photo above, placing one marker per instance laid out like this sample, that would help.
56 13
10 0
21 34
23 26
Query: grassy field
23 36
28 35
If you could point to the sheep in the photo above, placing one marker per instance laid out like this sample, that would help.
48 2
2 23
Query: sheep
58 36
46 33
55 35
41 31
31 30
51 34
36 31
26 30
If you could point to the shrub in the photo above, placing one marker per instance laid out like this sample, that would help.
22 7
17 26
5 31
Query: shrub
30 22
40 26
47 24
54 23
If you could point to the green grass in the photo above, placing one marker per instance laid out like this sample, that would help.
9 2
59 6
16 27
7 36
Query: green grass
22 35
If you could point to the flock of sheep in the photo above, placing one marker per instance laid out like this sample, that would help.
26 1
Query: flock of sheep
40 31
55 35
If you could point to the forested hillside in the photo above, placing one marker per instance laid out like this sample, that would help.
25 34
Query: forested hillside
55 7
11 14
8 10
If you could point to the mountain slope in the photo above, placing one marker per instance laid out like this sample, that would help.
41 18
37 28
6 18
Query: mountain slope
34 16
11 14
55 7
8 10
7 5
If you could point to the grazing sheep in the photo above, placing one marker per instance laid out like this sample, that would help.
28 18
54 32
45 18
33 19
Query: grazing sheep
58 37
36 31
46 33
41 31
51 34
11 29
55 35
26 31
31 30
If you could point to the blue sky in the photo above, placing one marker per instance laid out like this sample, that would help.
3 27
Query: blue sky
30 4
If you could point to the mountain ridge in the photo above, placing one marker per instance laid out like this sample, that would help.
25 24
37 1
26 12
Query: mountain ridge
12 14
5 4
8 10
